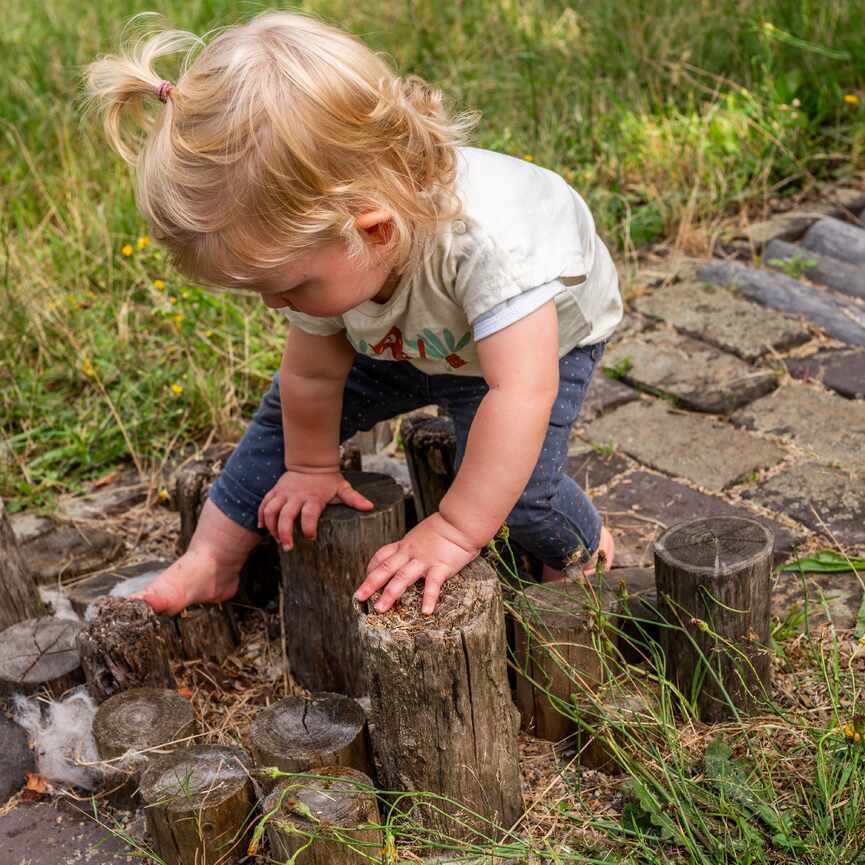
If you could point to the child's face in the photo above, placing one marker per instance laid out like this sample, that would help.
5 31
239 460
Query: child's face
325 282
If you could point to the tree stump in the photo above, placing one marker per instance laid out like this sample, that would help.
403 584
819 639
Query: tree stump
40 654
714 577
441 705
197 803
320 578
333 819
430 450
130 725
559 651
122 648
296 734
19 597
207 631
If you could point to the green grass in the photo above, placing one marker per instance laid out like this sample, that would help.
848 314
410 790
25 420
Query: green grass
664 114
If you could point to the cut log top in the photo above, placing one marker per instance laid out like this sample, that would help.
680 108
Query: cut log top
142 718
112 616
295 726
381 489
39 650
197 777
461 598
426 431
343 798
716 545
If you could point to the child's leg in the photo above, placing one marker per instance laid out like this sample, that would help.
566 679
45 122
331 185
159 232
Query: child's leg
554 519
227 530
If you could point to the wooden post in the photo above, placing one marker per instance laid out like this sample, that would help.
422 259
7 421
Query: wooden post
559 651
333 820
40 654
207 631
714 577
441 705
296 734
197 803
320 578
124 647
19 597
430 450
133 723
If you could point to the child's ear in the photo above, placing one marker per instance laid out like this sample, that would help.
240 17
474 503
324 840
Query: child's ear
377 224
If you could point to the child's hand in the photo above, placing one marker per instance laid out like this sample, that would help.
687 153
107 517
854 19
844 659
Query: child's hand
433 548
305 495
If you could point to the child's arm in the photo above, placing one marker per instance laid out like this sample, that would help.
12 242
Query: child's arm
312 378
521 366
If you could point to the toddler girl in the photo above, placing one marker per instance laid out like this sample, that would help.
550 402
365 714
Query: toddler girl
289 160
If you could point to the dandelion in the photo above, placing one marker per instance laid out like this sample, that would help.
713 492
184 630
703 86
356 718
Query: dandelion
178 319
851 98
159 284
163 493
126 250
87 367
172 299
176 389
528 157
142 241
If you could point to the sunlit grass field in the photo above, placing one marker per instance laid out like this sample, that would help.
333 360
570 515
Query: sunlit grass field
665 115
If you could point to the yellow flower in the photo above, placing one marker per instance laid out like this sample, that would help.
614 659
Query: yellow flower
127 250
87 367
849 732
851 98
177 389
179 318
528 157
172 299
163 493
208 333
142 241
159 284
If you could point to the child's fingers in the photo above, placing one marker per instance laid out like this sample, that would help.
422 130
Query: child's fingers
269 512
435 579
381 555
348 495
398 583
284 532
381 574
309 514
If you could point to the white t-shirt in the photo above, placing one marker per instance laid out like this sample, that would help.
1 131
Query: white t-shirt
525 237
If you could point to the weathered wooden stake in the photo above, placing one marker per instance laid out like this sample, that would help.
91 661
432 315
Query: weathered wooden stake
296 734
320 577
123 647
559 651
714 584
40 654
133 723
197 803
207 631
344 824
441 709
430 449
19 597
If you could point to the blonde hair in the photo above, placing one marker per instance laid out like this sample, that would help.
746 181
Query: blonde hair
276 135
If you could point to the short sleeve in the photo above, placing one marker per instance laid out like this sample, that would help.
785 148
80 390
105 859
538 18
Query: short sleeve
509 311
314 324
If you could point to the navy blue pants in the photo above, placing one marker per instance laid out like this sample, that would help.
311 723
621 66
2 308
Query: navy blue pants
553 518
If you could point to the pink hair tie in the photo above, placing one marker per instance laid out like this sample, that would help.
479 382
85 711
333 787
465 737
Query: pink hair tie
163 90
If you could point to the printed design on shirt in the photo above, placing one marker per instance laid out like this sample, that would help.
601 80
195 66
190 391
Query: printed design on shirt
427 346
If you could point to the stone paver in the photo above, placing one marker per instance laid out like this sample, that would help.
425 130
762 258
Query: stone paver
719 317
825 424
107 502
836 239
16 757
841 275
698 375
603 395
642 505
822 597
591 469
843 371
704 450
828 501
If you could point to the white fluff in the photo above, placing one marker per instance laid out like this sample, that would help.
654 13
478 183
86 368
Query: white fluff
62 737
59 603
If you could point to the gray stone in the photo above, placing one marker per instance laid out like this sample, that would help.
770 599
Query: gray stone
640 506
717 316
697 375
704 450
591 469
16 757
106 502
60 833
843 371
27 526
812 600
828 501
836 239
841 319
825 424
66 551
603 395
844 277
391 466
82 593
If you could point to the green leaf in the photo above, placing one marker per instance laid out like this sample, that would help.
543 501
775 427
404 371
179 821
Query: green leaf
464 340
449 339
433 340
824 562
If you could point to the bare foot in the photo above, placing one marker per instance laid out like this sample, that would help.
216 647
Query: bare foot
607 546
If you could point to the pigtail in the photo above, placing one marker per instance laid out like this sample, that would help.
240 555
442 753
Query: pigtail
121 86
